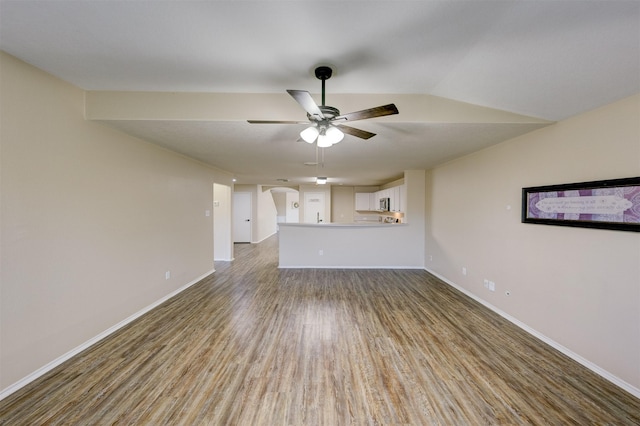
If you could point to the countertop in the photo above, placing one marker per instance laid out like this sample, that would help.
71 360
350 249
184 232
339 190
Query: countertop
344 225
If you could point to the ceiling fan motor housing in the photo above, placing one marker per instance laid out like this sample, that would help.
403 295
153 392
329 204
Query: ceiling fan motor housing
329 113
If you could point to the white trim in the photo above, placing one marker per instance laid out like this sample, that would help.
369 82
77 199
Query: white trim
222 260
50 366
590 365
348 267
268 236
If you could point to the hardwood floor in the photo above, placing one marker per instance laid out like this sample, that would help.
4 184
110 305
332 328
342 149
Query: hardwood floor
255 345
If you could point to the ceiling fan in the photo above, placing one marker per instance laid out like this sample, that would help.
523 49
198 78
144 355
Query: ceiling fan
327 126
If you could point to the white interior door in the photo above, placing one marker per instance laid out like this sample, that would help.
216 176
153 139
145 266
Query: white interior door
314 207
222 244
241 217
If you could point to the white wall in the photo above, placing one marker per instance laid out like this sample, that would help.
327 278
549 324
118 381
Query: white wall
91 221
578 287
292 213
310 245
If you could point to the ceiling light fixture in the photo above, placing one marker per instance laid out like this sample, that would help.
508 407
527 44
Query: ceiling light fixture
321 180
325 137
309 134
334 135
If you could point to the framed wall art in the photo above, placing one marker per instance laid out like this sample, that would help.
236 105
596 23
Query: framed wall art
604 204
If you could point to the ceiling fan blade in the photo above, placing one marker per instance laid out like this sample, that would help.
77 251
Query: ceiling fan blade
362 134
380 111
276 122
306 101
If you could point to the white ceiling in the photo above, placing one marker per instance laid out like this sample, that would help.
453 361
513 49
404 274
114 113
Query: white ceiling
542 59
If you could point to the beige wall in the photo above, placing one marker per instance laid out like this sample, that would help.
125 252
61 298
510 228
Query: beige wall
578 287
267 215
280 202
91 221
342 204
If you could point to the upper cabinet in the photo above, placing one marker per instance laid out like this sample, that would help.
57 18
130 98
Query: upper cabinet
365 201
395 199
370 201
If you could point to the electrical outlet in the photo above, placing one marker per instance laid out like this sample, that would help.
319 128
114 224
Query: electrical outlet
464 270
492 286
167 275
486 283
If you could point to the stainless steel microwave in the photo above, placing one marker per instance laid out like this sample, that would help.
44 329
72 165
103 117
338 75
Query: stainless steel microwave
384 204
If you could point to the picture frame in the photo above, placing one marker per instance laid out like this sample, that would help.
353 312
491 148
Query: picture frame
604 204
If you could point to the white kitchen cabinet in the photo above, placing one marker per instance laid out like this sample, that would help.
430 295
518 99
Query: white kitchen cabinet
397 198
370 201
373 202
394 199
365 201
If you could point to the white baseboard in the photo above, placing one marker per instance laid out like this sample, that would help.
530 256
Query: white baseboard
590 365
50 366
268 236
348 267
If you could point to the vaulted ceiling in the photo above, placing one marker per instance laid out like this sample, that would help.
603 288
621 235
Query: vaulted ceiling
186 75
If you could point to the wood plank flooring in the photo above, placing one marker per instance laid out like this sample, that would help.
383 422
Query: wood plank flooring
255 345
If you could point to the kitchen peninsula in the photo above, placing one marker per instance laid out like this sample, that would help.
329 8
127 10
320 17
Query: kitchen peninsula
340 245
359 245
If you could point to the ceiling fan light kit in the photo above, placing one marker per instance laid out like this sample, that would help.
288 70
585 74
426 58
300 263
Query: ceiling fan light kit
333 135
325 137
309 134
